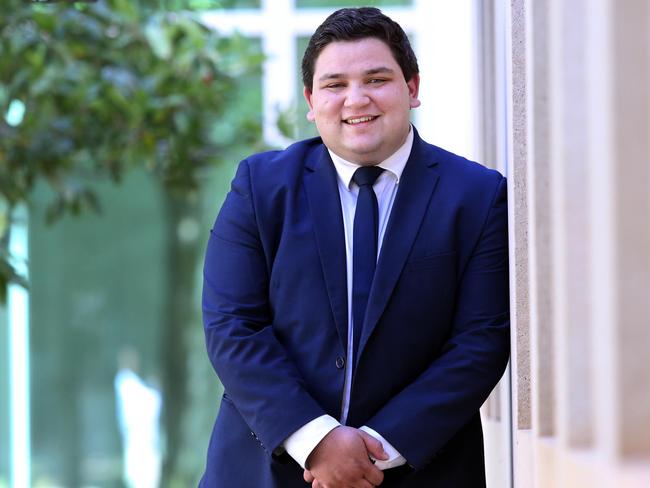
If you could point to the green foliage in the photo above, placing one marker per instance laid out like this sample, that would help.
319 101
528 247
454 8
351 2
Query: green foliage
213 4
351 3
90 90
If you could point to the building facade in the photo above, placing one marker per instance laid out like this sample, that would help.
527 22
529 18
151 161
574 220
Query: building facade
566 105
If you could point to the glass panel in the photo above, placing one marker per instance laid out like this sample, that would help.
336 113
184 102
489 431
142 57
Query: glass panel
304 128
103 347
230 3
96 295
4 398
217 4
351 3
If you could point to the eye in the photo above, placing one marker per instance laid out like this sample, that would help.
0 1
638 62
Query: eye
334 86
376 81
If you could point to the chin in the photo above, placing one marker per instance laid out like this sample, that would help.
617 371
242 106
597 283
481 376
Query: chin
362 151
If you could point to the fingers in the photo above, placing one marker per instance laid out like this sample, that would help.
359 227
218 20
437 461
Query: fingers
365 484
360 484
341 459
373 475
307 476
373 446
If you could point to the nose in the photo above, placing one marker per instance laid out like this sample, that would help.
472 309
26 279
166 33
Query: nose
356 96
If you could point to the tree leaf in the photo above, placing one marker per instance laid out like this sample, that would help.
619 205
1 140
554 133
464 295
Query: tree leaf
158 39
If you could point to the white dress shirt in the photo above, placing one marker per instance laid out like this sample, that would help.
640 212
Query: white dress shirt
301 443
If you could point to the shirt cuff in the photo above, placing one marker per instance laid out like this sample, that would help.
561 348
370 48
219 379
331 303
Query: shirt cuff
302 442
394 457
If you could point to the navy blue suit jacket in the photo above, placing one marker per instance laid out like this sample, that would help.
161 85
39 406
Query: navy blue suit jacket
435 339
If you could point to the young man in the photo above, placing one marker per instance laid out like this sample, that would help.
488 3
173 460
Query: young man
356 288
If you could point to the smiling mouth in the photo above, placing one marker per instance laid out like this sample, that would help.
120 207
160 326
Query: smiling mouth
360 120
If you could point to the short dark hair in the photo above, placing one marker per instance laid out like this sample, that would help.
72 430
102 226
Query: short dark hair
351 24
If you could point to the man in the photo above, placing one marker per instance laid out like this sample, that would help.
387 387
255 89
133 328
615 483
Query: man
356 288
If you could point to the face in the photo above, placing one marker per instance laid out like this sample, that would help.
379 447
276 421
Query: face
360 100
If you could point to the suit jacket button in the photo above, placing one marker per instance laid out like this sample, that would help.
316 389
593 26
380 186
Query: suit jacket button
340 362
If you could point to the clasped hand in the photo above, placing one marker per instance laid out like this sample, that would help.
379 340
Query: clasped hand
341 460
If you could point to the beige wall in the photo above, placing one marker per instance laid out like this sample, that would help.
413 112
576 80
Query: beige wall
566 111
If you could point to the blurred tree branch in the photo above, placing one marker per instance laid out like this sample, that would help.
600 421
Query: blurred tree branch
90 90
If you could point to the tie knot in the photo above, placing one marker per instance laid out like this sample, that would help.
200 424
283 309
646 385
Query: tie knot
367 175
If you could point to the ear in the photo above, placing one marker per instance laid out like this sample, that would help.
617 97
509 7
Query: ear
307 94
414 89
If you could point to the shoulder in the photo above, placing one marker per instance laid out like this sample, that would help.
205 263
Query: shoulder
285 160
449 163
271 176
453 165
460 179
276 168
456 169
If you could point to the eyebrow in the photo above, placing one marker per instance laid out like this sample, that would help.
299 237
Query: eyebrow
373 71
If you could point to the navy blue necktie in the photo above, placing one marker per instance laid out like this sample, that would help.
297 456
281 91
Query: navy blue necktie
364 246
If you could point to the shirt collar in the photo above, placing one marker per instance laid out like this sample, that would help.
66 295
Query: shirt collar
394 164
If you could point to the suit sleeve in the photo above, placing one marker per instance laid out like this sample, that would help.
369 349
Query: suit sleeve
253 366
426 414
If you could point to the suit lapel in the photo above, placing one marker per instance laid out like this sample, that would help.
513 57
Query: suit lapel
325 208
411 202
